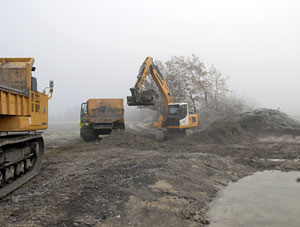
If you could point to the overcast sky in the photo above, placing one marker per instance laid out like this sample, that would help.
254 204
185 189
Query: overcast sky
95 48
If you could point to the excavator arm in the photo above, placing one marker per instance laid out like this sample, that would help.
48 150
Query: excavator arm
148 97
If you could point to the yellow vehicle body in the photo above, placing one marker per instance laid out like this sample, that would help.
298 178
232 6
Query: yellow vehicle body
22 110
193 122
100 117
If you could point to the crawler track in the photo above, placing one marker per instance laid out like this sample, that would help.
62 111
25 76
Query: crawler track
20 160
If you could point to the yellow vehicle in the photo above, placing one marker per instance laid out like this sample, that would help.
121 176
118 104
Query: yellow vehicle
23 111
100 117
174 116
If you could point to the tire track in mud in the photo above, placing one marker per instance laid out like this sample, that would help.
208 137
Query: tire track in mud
103 192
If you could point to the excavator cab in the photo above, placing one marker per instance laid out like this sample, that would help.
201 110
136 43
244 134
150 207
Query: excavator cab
180 117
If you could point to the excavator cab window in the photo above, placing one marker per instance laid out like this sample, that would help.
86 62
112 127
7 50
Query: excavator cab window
179 111
173 115
173 110
84 110
182 111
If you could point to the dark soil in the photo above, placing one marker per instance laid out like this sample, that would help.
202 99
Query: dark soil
127 139
128 179
223 131
267 119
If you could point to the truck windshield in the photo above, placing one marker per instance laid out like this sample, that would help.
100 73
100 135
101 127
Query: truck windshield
84 108
173 110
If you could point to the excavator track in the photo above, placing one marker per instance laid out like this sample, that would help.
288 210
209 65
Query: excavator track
20 160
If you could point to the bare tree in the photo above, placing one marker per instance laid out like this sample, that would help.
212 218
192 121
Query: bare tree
218 84
188 75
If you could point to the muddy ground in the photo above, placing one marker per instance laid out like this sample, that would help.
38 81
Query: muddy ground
129 179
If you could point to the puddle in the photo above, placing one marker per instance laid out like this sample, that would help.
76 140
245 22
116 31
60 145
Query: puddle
269 198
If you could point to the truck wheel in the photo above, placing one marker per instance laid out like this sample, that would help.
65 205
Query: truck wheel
87 133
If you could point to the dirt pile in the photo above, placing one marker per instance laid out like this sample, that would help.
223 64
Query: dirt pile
267 119
222 131
125 139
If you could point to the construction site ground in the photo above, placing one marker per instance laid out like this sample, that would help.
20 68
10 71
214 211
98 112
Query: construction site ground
129 179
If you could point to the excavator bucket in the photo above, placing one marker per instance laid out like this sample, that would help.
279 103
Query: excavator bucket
144 98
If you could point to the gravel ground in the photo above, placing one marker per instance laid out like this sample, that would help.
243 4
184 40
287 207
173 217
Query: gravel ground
129 179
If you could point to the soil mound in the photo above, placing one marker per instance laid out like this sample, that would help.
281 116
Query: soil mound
123 138
222 131
267 119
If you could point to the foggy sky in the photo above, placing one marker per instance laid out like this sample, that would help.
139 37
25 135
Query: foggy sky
95 48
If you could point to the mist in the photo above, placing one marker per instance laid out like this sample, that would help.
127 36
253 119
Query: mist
93 49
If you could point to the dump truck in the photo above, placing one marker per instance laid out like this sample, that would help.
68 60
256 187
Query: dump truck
23 113
100 117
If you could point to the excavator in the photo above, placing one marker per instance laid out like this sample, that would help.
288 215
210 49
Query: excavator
174 116
23 113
